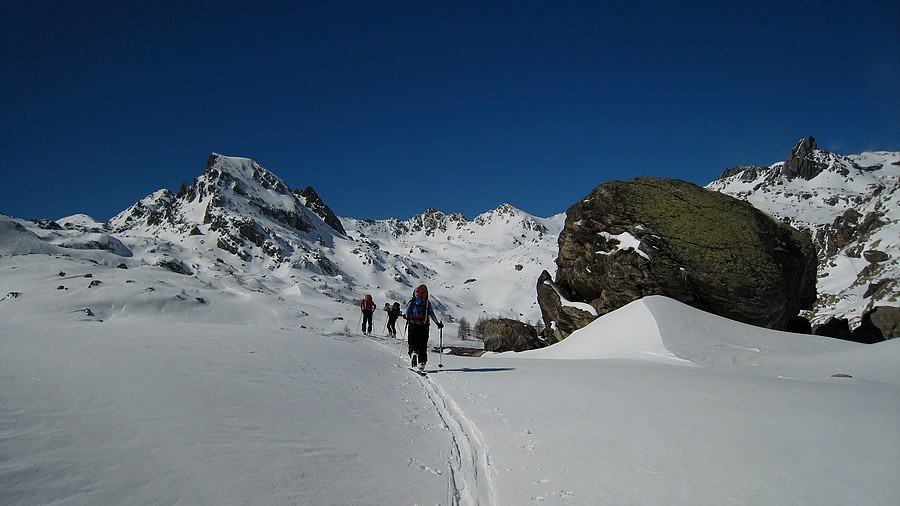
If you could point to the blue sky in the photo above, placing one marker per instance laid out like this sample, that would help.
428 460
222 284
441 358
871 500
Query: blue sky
389 108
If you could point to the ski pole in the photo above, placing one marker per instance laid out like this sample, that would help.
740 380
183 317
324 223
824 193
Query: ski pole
359 323
441 359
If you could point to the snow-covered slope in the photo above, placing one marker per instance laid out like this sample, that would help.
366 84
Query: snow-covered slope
160 397
241 229
851 208
201 348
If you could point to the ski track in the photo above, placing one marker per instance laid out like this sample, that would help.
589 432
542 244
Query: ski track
471 472
471 480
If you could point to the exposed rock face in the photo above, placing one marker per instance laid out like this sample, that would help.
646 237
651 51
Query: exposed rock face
244 209
560 316
802 162
503 334
318 206
848 204
838 328
879 324
649 236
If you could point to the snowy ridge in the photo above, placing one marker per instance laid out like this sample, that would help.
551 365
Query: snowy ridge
237 227
850 208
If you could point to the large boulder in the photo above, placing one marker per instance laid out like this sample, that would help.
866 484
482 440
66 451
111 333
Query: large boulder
650 236
504 334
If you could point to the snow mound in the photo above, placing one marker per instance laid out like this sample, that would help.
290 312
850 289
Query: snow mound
631 332
660 329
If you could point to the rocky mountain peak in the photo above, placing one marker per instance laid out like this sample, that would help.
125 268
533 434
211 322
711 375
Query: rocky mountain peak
433 220
507 214
314 203
802 162
849 205
247 210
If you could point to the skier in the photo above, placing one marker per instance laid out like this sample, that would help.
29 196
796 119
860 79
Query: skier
367 306
418 315
393 313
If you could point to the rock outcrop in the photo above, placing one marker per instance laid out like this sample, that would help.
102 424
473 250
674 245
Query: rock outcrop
848 205
879 324
314 203
650 236
561 316
504 334
802 161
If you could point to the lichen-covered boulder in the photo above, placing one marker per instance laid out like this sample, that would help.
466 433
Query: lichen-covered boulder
650 236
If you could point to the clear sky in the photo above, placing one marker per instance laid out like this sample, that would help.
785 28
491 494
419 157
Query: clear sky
388 108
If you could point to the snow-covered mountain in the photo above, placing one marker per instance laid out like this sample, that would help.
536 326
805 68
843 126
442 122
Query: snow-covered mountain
239 227
850 205
200 348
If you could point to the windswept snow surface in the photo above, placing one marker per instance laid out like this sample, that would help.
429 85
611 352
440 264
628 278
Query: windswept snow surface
176 390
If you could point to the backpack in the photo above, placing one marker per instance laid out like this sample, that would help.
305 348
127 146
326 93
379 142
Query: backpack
368 304
418 307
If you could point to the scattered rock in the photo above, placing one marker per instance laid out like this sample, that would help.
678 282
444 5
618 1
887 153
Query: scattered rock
504 334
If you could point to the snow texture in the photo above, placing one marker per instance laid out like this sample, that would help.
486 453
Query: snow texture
153 387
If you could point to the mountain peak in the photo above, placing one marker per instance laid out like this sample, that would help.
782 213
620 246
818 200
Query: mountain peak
848 203
802 161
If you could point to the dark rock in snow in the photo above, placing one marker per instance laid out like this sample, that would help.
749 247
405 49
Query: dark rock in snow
802 162
560 318
318 206
649 236
503 334
838 328
879 324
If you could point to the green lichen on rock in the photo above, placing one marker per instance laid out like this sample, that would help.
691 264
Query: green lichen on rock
694 245
705 230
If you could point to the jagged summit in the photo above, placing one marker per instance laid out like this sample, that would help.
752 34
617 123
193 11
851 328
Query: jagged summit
240 228
849 204
238 221
802 161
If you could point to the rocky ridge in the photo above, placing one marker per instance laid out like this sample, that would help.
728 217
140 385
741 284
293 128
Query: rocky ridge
239 227
850 206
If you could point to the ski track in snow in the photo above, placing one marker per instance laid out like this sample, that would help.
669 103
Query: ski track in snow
470 470
470 466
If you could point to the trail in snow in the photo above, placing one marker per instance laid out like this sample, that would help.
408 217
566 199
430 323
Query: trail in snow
470 470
